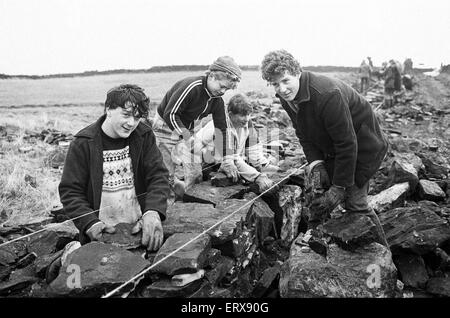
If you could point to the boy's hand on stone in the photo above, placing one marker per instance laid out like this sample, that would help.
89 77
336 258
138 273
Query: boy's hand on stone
230 169
263 182
152 231
95 231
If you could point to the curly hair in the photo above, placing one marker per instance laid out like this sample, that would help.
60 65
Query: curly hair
239 105
275 63
126 95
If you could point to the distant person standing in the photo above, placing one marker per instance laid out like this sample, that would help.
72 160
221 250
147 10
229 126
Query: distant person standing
364 74
408 66
392 83
371 67
180 111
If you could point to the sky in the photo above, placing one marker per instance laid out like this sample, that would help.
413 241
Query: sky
64 36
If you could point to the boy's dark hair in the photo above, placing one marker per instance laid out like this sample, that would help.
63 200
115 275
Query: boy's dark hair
275 63
239 105
126 94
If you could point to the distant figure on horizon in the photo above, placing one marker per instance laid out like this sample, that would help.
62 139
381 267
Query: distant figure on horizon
408 66
392 83
371 67
364 74
179 115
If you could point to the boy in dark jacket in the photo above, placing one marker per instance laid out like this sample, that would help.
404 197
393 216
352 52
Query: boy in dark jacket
114 172
179 114
338 131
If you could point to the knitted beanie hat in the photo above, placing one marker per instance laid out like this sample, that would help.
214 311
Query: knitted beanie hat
226 64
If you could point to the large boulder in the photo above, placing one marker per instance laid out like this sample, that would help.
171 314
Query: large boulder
367 272
416 229
94 269
188 259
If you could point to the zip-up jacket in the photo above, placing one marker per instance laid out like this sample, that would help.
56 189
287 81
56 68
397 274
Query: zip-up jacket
188 101
80 188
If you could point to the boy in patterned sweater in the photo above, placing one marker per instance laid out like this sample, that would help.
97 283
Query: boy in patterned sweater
114 172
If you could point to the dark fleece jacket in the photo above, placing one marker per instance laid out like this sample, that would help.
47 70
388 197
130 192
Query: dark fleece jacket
336 124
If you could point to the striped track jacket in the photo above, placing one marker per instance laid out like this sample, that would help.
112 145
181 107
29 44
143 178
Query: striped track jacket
189 101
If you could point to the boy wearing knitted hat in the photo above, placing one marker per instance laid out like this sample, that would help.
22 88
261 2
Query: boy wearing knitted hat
114 173
180 111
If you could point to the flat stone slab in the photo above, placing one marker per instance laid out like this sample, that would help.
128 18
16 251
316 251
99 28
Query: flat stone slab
96 268
392 197
367 272
351 230
189 259
122 237
429 190
196 218
64 229
165 288
25 220
206 193
417 229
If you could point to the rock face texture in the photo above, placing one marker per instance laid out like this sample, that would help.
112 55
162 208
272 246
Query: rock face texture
416 229
367 272
95 268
